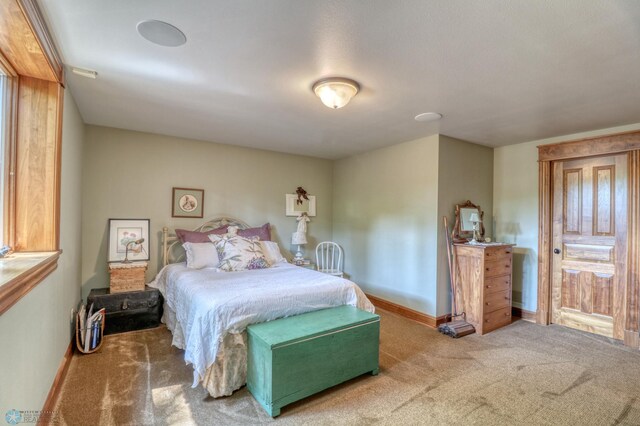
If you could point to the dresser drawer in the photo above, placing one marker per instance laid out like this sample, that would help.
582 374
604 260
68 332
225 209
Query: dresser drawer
494 301
496 319
494 253
498 267
495 284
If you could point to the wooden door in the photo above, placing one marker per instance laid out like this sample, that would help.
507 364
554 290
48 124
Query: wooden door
590 244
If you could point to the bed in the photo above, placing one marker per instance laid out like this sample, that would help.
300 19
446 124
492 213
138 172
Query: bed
208 311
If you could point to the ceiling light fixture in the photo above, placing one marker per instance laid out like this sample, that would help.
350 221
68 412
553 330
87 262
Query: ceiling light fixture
84 72
161 33
335 92
426 117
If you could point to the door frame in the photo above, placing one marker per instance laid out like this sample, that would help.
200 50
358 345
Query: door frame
619 143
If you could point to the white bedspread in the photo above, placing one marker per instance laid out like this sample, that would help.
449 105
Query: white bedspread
209 304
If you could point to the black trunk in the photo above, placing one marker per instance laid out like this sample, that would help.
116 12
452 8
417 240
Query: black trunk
134 310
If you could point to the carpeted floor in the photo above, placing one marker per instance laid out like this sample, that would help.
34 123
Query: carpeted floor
521 374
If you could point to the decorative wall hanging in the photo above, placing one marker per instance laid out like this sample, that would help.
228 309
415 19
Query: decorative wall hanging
188 202
307 205
123 232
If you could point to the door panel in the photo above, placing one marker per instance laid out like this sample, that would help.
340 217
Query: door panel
570 288
590 238
572 183
582 252
604 200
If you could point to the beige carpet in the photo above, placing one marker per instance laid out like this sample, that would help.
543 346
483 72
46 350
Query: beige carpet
521 374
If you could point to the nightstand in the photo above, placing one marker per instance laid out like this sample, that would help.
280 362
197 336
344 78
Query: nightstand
311 266
133 310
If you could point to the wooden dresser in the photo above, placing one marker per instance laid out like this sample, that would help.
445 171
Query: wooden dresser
484 284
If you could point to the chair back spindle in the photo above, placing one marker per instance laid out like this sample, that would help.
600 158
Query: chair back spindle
329 258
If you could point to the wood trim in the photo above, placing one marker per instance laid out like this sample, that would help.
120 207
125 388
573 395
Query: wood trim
599 145
37 174
14 290
9 214
544 243
523 313
39 28
48 415
20 44
633 256
6 67
632 339
428 320
57 172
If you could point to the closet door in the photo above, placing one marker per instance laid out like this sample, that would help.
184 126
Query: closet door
589 264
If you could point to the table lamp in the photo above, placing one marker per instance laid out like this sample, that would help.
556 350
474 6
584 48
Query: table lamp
128 247
475 219
299 239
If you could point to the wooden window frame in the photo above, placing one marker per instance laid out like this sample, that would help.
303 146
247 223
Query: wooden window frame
32 150
621 143
11 110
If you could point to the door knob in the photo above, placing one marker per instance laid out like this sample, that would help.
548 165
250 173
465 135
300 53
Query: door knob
556 251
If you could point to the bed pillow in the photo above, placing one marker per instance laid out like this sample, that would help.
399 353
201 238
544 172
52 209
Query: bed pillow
271 252
238 253
201 255
263 232
198 237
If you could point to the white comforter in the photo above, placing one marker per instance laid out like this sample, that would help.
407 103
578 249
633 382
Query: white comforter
209 304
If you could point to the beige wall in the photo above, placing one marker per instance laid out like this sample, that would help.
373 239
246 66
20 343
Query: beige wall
515 208
37 330
388 208
131 174
465 172
385 211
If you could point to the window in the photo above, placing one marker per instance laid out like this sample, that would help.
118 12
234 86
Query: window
31 93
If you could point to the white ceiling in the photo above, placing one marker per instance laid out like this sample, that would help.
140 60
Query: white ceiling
500 71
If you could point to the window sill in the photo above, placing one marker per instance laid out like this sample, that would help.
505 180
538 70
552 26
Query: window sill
21 272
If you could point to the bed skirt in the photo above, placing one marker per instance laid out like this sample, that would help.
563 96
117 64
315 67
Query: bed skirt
229 372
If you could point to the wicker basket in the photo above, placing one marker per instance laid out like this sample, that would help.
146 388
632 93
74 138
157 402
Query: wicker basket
127 276
81 329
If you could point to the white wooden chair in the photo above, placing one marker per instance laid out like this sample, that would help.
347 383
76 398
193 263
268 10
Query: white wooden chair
329 258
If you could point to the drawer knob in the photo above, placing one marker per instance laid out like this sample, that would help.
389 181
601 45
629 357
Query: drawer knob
488 286
125 305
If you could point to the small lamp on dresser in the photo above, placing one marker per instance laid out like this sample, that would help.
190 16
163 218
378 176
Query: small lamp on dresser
475 220
128 247
299 239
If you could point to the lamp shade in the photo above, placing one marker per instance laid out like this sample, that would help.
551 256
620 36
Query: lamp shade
298 238
474 217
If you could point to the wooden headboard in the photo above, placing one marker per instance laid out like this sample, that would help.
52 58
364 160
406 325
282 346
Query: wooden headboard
172 251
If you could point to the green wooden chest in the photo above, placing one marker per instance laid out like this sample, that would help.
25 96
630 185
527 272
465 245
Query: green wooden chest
292 358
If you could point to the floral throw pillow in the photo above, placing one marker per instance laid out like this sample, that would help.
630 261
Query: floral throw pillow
237 253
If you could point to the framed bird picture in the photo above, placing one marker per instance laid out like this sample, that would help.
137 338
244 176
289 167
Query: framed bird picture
294 206
188 202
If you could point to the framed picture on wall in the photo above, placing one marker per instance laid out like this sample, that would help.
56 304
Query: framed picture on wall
128 231
188 202
295 209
